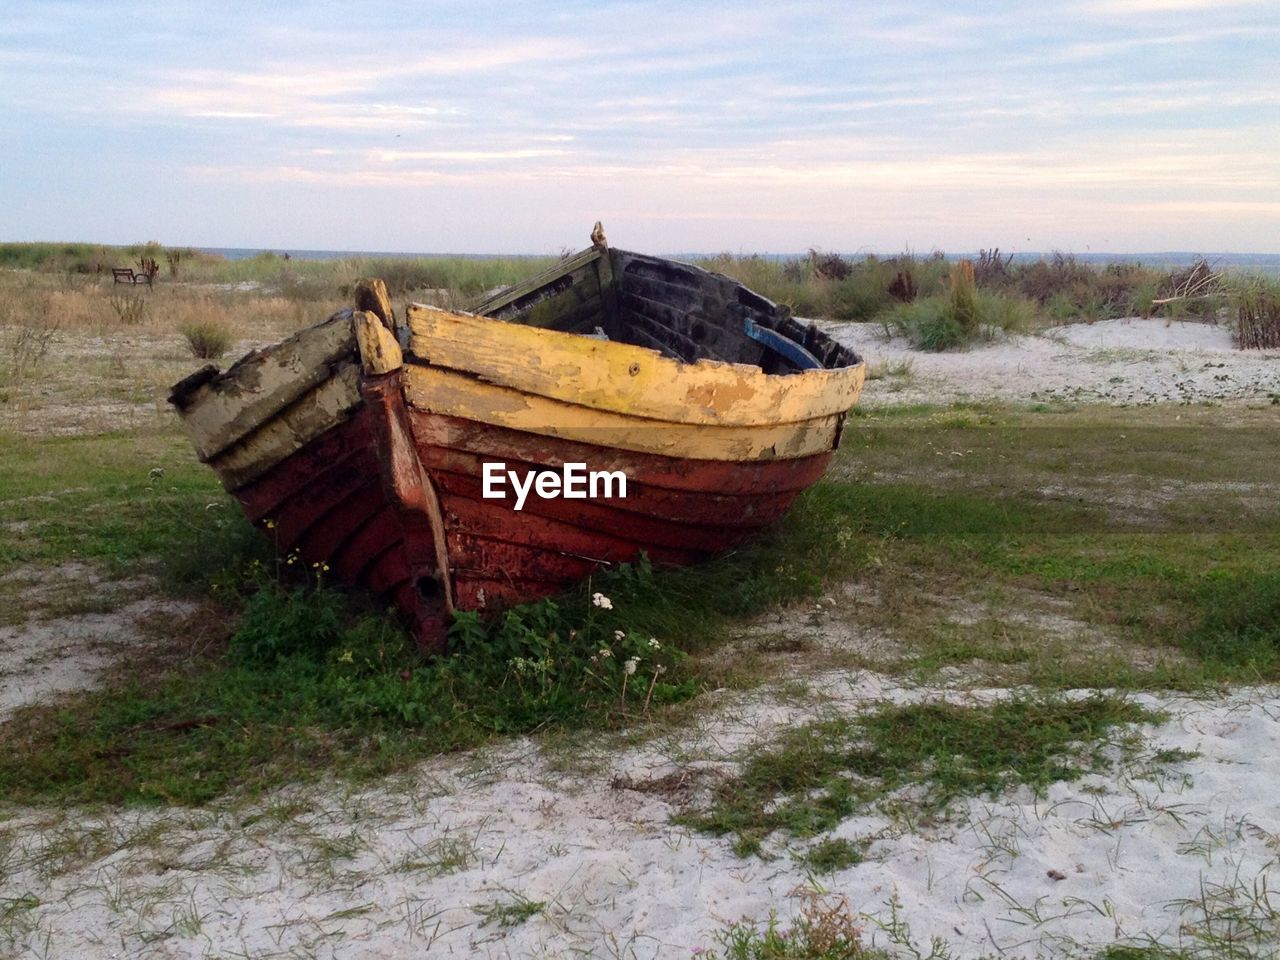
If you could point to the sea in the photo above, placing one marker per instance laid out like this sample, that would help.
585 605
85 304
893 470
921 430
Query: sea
1268 263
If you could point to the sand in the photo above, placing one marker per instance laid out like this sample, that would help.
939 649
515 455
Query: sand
1121 362
359 875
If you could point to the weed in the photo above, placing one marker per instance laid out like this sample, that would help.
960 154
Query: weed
208 339
825 930
817 775
831 855
1240 620
512 913
966 314
440 857
962 299
27 340
1256 324
927 324
130 308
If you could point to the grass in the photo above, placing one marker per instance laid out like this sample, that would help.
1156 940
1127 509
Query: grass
1256 321
977 532
825 929
511 913
821 773
129 504
208 339
960 316
313 679
831 855
1057 288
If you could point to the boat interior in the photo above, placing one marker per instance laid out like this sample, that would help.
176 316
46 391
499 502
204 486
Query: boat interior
683 311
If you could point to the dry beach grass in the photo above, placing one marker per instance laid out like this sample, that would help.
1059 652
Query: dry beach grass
1072 538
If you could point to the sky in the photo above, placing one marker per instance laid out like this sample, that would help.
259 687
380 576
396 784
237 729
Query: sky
725 125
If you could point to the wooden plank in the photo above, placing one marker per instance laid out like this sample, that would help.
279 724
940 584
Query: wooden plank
438 390
705 321
575 307
698 508
310 415
372 297
223 410
379 350
497 443
667 325
510 295
343 445
608 293
626 379
467 510
663 539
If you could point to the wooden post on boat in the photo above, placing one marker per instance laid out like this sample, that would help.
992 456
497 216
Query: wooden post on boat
405 482
604 276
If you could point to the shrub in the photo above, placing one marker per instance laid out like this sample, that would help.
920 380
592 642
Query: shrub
1256 321
1010 313
1062 275
992 269
859 297
927 324
829 266
130 308
965 315
208 339
962 299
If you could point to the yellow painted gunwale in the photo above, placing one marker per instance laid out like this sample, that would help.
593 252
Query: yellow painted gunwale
626 379
437 390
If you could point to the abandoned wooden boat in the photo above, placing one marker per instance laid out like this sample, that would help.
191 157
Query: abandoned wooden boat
392 449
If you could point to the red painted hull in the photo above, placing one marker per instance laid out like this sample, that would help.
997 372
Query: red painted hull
341 501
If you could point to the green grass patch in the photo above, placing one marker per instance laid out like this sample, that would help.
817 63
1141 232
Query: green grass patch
1240 620
128 503
314 679
832 854
816 775
825 929
1148 533
511 913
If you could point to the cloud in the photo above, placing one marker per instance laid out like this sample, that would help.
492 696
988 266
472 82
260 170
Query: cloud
1146 7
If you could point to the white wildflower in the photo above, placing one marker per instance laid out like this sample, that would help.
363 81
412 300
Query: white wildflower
618 635
605 652
654 644
601 601
630 666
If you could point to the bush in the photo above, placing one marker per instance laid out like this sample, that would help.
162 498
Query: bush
859 297
927 324
965 315
962 299
1256 321
208 339
1010 313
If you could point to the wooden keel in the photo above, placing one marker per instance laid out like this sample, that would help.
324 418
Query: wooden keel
408 489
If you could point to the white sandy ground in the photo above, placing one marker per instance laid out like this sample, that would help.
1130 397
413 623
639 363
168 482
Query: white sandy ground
1130 362
399 870
1138 849
44 657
